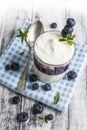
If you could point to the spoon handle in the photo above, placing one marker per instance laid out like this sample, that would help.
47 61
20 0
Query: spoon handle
22 85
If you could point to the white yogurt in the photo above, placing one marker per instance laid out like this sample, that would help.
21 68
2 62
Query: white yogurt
50 50
51 53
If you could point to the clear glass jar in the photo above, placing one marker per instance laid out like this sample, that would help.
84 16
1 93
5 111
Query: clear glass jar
48 72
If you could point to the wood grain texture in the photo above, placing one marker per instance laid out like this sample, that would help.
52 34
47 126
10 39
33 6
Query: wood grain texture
75 118
77 110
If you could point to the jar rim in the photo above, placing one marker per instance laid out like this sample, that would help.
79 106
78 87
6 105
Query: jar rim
49 63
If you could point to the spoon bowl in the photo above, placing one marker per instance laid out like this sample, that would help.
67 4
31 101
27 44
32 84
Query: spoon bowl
35 31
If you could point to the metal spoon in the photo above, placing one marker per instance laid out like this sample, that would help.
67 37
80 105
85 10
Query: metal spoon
35 31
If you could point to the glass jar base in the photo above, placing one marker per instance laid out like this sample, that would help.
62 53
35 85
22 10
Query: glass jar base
48 78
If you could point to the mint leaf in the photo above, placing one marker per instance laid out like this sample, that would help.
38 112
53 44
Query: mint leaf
73 36
18 35
71 42
20 32
43 119
57 98
22 38
46 120
26 32
21 53
62 39
68 39
22 35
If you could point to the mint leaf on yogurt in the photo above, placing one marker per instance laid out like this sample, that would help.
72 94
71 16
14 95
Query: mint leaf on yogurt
68 39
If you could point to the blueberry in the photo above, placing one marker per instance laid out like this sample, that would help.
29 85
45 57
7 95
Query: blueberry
68 29
7 67
35 86
49 117
41 104
15 100
71 22
53 25
22 117
47 87
37 108
15 66
63 33
71 75
33 78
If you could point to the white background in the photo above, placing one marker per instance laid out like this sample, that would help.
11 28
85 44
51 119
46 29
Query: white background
75 5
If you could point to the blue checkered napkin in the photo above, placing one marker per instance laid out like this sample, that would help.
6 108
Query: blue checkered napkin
65 87
10 54
25 26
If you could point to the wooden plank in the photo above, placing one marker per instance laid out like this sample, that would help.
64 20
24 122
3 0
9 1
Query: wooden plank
75 117
8 112
77 112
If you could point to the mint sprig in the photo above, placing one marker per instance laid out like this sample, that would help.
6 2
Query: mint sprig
56 99
43 119
23 35
68 39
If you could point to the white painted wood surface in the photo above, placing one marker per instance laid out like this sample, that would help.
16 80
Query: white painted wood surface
13 15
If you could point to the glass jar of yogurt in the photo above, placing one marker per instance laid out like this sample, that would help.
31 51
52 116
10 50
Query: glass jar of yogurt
51 57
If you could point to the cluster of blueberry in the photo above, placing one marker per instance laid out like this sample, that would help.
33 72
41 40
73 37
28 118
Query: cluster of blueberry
35 86
23 116
36 109
68 29
14 66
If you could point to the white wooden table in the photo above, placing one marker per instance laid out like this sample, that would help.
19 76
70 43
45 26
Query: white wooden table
12 17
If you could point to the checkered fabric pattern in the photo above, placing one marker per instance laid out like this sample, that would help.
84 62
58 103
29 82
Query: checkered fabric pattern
11 79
